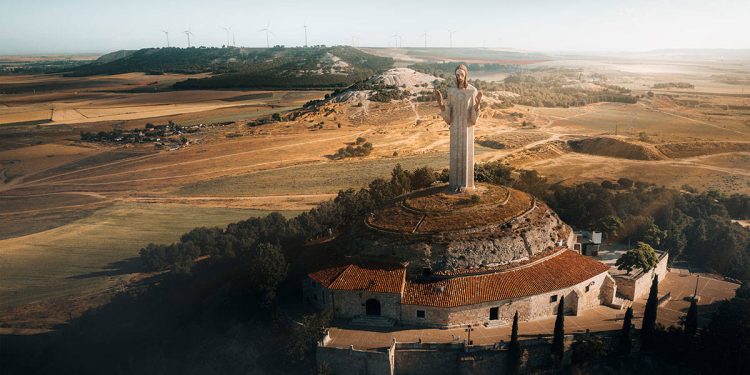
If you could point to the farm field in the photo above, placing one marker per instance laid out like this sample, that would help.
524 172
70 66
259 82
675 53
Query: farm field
80 211
98 252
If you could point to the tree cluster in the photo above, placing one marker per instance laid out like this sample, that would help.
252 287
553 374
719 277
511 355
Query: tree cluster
546 88
695 226
241 240
678 85
360 148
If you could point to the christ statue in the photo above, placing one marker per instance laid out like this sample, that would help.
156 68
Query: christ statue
460 110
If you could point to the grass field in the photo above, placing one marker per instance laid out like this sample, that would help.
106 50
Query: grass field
97 251
313 179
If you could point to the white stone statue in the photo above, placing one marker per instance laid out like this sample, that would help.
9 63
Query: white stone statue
461 110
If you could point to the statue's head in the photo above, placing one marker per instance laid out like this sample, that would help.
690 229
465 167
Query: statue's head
462 74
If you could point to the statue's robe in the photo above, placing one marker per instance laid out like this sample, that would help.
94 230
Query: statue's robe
461 114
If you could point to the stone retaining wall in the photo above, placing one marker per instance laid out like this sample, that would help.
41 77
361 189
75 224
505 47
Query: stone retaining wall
438 358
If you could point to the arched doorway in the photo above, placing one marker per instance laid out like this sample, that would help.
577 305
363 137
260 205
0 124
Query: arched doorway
372 307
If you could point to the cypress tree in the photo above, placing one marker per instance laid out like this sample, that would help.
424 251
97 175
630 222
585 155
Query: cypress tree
514 332
514 349
558 341
625 343
649 315
691 320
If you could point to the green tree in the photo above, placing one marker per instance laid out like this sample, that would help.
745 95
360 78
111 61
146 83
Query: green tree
610 226
649 316
726 339
514 348
625 340
625 182
691 319
642 256
400 180
653 235
493 172
558 340
422 177
588 347
305 335
269 269
531 182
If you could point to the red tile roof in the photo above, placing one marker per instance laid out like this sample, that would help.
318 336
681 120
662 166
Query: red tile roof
566 269
373 278
327 275
561 270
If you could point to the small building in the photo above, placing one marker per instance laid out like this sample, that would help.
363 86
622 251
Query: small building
588 242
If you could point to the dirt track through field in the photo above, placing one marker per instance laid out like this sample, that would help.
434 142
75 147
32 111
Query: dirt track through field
173 165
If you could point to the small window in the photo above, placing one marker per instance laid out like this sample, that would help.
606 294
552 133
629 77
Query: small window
494 313
588 287
420 314
553 298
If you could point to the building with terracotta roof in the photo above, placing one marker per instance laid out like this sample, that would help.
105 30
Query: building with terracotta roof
440 260
532 289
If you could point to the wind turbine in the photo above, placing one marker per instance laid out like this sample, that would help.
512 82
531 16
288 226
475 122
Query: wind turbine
305 26
267 30
188 33
425 39
451 32
167 34
228 30
398 39
355 39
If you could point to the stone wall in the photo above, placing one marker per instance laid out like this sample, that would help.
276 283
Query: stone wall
437 358
577 299
349 304
608 292
350 361
634 286
448 359
529 308
315 294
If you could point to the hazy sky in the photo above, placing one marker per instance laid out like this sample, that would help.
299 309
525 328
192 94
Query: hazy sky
73 26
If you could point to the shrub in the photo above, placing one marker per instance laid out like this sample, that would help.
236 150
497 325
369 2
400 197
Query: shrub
642 256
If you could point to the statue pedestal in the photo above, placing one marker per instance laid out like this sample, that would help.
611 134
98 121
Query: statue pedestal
464 190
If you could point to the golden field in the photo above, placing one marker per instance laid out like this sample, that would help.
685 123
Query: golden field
74 214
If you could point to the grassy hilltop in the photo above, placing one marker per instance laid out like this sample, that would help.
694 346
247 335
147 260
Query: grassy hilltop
234 67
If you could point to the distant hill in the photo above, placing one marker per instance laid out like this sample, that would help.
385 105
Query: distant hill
471 55
112 56
233 67
701 52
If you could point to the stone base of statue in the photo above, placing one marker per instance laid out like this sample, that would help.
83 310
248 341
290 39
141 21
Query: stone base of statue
446 232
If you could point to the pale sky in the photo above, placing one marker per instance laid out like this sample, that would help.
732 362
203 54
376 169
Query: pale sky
77 26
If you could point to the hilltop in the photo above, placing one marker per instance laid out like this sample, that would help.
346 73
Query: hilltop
235 67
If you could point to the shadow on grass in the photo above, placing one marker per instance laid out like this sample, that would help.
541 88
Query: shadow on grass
121 267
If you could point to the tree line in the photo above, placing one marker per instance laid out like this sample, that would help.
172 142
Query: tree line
240 239
544 88
696 227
